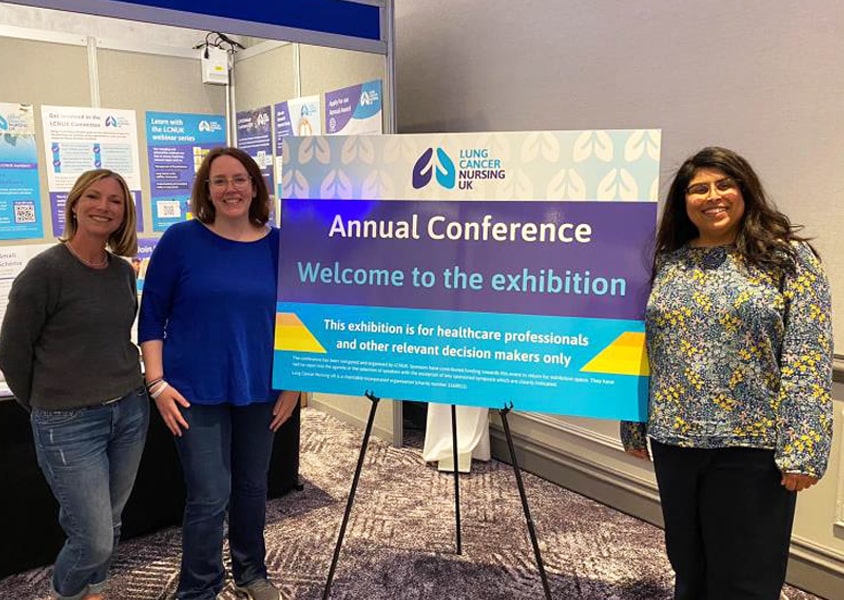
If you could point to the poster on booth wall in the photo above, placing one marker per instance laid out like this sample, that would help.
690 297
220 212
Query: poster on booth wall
20 195
78 139
139 263
254 136
297 117
354 110
176 145
474 269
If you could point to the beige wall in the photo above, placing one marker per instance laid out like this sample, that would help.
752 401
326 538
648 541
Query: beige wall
763 78
266 78
325 69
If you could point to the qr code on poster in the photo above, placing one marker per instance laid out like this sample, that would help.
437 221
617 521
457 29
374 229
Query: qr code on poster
168 209
24 212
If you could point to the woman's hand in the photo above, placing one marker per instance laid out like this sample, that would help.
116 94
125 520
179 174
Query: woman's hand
168 402
639 453
796 482
283 408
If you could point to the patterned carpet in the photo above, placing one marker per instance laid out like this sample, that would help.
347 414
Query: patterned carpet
400 540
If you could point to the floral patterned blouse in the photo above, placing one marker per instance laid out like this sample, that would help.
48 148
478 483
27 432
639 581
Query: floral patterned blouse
739 357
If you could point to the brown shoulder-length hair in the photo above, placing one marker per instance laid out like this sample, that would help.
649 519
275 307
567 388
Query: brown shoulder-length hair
124 241
765 234
200 201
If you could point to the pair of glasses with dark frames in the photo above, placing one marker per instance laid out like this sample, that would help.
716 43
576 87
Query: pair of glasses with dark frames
725 185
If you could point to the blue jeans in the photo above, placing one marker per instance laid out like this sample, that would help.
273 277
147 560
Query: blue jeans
225 457
90 457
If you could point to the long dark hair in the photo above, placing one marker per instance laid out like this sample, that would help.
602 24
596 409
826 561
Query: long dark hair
765 234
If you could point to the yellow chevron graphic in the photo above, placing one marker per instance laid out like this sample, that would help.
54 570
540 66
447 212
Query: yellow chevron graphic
626 355
292 335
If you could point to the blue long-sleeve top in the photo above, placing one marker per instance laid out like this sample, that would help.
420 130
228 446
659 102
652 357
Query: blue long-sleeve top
740 357
212 302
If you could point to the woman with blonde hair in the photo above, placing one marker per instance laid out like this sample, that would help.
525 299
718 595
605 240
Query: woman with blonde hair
67 356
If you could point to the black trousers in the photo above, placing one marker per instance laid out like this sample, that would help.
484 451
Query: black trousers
727 521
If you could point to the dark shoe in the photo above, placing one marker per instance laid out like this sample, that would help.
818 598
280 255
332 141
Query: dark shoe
259 589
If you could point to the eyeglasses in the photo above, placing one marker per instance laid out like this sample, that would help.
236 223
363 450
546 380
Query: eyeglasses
238 182
723 186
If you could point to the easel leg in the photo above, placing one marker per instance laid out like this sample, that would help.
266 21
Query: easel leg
456 476
374 399
503 412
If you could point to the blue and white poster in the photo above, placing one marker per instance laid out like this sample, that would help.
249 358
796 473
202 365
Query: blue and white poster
176 145
305 115
78 139
255 137
297 117
354 110
20 197
477 269
140 261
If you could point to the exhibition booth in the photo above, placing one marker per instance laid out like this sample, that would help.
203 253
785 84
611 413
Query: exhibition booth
147 88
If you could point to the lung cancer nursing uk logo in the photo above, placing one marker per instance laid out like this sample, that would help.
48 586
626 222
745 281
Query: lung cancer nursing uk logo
473 164
425 168
209 126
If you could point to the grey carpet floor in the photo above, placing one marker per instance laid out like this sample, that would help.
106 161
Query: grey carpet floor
400 540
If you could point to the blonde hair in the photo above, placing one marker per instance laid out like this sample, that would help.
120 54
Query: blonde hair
124 241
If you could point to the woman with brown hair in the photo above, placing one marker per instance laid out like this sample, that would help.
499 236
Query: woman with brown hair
206 331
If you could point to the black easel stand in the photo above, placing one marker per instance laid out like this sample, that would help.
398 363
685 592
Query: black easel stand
456 476
365 442
503 412
374 399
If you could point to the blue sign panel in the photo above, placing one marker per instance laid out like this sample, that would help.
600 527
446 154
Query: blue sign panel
338 17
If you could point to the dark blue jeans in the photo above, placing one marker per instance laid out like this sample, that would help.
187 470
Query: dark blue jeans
90 457
225 457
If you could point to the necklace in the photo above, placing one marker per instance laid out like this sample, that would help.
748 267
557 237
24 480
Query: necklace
94 265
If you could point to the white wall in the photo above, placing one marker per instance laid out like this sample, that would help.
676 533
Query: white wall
761 77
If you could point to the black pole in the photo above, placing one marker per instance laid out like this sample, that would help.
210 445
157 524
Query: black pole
456 476
503 412
374 399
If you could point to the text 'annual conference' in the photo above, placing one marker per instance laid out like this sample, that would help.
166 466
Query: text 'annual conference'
438 227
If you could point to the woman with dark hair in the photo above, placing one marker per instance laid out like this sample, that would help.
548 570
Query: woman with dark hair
739 339
68 357
206 332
